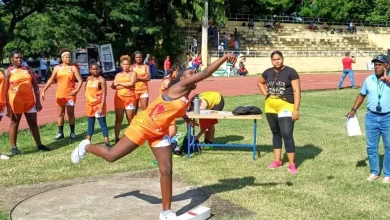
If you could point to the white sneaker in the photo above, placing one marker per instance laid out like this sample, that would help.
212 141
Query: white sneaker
77 155
171 215
4 157
386 180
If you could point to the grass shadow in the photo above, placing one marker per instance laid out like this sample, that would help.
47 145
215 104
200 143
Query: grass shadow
224 185
365 162
305 152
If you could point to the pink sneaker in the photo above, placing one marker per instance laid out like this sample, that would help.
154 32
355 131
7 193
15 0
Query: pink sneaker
292 169
275 164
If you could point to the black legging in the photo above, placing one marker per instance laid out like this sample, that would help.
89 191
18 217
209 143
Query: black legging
281 128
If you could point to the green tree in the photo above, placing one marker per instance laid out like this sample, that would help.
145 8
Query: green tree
48 32
13 12
381 11
337 9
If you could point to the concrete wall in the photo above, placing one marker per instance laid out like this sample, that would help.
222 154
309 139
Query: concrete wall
302 64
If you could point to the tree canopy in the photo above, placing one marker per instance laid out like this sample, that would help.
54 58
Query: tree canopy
154 26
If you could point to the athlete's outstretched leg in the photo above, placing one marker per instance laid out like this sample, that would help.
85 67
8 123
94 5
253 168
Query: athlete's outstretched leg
124 147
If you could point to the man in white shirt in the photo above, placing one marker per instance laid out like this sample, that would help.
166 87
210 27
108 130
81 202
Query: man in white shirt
43 68
221 48
24 63
54 62
195 44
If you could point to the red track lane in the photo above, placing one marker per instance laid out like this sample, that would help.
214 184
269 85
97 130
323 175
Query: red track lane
226 86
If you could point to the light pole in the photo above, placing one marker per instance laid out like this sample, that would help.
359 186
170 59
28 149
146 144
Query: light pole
204 34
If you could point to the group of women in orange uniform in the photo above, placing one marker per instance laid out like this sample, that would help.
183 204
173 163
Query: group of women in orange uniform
20 95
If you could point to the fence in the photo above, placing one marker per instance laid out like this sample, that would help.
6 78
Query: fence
300 53
302 20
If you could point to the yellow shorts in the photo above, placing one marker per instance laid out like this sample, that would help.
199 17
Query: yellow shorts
278 106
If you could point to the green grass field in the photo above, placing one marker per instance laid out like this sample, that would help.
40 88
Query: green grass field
333 167
3 216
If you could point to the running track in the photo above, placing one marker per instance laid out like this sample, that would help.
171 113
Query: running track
227 86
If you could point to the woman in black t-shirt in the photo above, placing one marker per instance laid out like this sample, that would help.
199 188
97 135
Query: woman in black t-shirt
282 90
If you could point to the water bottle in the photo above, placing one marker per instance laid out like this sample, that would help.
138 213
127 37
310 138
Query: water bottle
196 105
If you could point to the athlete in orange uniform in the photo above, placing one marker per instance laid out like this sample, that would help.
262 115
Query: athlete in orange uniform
95 95
124 100
22 97
143 77
164 86
3 102
152 125
65 75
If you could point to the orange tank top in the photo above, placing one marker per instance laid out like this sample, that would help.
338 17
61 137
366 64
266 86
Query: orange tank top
93 91
2 89
161 113
20 83
65 81
124 77
141 72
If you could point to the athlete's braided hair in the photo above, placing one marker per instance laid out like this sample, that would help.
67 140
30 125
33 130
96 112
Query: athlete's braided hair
179 75
174 68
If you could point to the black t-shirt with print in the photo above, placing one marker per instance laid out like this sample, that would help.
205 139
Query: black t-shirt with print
279 84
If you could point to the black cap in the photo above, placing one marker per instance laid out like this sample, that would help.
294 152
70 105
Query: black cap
380 58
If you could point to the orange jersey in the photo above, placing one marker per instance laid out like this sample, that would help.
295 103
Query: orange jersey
20 94
93 92
65 81
140 86
2 89
94 97
124 77
160 113
20 83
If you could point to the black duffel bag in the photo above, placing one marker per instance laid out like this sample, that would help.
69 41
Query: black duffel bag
247 110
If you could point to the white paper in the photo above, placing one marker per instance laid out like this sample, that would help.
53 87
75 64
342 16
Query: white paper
353 127
205 112
224 113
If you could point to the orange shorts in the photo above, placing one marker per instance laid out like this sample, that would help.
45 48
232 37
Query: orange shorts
126 102
91 110
204 124
141 94
140 130
62 102
20 106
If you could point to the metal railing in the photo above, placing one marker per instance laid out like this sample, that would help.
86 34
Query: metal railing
300 53
302 20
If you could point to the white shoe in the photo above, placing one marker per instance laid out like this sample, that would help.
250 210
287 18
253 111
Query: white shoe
386 180
4 157
77 155
171 215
